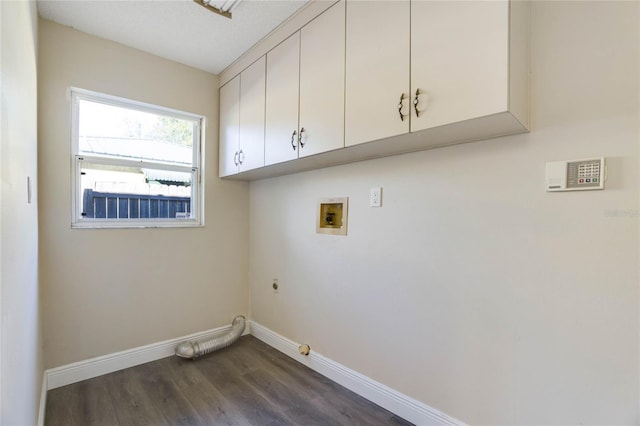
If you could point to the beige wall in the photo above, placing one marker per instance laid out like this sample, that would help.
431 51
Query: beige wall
110 290
21 342
472 289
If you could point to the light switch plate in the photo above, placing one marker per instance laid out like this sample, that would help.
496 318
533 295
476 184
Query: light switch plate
375 197
28 189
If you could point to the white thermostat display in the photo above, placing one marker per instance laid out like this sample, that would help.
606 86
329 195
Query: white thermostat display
576 175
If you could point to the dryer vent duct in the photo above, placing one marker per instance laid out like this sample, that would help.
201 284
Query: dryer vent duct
195 350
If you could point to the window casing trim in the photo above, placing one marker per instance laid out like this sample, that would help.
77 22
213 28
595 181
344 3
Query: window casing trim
77 158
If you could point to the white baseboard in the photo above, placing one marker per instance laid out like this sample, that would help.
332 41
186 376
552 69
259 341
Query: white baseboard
43 399
390 399
94 367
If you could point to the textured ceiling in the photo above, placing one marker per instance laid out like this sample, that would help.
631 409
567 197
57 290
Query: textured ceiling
180 30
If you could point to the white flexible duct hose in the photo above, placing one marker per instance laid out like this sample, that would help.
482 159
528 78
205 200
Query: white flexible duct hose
195 350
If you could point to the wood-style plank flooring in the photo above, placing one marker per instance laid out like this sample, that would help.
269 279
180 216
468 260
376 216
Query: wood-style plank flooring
248 383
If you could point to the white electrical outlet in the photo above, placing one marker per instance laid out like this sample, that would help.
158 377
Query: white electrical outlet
375 198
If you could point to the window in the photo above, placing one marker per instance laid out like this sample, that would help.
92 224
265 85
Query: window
135 164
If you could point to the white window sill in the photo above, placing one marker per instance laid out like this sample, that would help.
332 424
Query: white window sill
133 224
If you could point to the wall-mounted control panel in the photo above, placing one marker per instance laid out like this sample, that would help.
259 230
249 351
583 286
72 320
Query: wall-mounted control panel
576 175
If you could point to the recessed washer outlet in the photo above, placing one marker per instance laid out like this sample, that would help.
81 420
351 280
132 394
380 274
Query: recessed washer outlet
332 216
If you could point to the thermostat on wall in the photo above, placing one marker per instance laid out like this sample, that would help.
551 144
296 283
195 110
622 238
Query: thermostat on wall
576 175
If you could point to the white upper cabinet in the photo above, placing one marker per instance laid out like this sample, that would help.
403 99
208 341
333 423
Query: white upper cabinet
421 65
252 108
229 127
283 81
322 49
242 102
370 78
377 97
305 90
459 61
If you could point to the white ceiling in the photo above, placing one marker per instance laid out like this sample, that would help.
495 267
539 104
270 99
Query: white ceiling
180 30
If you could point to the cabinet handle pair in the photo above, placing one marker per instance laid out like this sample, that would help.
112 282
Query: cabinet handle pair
300 140
415 105
238 157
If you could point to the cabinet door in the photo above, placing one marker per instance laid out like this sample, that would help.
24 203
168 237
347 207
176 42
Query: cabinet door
459 60
377 70
322 46
229 127
252 98
283 79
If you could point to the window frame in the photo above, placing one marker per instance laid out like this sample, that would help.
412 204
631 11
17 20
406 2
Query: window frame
196 169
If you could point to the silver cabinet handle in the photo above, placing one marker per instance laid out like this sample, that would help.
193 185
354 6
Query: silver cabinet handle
293 138
241 157
300 138
400 107
235 158
415 103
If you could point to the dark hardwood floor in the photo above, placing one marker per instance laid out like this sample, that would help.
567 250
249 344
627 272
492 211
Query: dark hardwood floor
248 383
